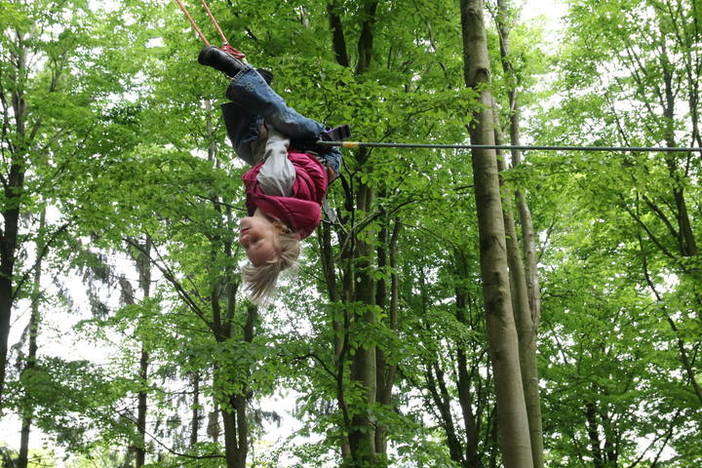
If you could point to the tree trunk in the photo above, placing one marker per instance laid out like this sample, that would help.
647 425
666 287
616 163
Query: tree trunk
13 193
236 426
34 320
525 276
513 424
686 240
141 409
523 315
463 377
590 416
385 372
442 401
525 221
195 423
213 429
526 333
363 364
144 269
231 449
359 285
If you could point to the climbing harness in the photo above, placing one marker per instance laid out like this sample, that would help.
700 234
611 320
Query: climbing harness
226 47
634 149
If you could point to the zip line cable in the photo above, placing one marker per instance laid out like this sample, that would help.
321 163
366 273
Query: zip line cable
376 144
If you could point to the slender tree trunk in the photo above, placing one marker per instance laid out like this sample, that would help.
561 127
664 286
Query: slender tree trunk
524 276
363 364
213 429
513 423
590 416
437 389
382 395
144 268
231 448
13 193
687 243
142 408
34 320
494 446
236 427
526 329
361 430
195 423
464 378
236 432
526 336
530 254
386 372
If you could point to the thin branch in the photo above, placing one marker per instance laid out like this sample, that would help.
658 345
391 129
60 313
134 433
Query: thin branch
129 418
168 274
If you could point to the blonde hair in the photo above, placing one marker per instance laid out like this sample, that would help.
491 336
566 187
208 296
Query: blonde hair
260 281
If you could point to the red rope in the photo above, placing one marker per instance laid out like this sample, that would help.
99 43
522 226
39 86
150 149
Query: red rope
225 43
214 22
192 22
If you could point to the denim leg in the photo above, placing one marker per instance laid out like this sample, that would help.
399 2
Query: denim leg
251 91
244 130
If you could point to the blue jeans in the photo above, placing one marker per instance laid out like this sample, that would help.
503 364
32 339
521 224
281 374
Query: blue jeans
253 103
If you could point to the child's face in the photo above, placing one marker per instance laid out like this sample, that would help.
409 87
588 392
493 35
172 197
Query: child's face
259 237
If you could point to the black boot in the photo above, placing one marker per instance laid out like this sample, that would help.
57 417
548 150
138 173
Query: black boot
219 60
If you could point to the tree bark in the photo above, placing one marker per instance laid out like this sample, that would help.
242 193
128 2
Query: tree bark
526 333
363 363
142 408
525 273
195 423
442 401
236 426
141 256
525 221
144 269
338 38
502 335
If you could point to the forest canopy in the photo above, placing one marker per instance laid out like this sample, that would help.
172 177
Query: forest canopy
454 307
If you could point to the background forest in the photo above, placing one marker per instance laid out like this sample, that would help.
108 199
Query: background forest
570 294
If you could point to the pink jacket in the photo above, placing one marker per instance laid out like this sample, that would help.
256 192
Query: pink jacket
302 211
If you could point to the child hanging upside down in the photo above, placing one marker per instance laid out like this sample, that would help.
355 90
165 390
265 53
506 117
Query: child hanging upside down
287 184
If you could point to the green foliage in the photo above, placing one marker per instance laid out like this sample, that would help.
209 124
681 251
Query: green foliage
130 148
